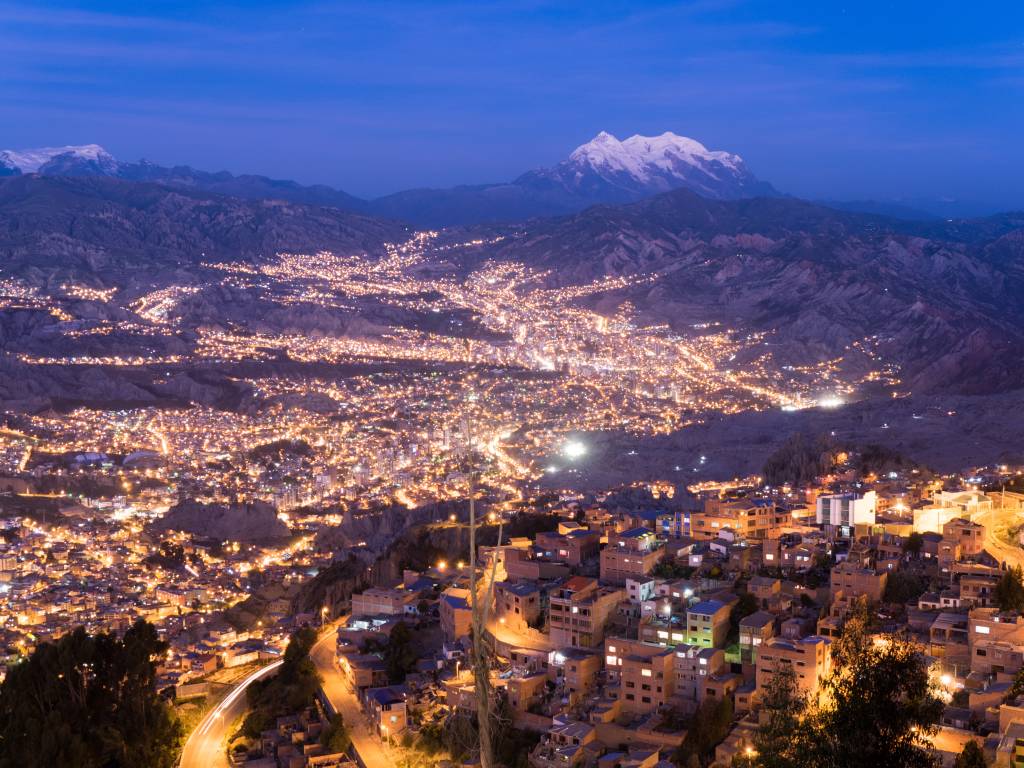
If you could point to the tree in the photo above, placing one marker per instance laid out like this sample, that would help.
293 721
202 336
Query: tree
881 706
89 701
1009 592
779 740
336 737
972 756
902 587
399 654
746 605
1017 688
913 544
878 709
709 727
293 688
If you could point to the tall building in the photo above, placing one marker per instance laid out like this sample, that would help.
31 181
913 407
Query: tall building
631 554
579 610
844 511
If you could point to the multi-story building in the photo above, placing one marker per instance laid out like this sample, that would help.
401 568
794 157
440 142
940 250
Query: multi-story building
381 601
456 614
579 610
996 642
747 518
388 710
692 667
841 513
631 554
517 605
574 669
707 623
964 538
755 630
640 674
572 548
849 581
809 658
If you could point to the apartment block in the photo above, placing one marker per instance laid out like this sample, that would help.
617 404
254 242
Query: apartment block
754 519
579 610
810 659
707 623
643 672
631 554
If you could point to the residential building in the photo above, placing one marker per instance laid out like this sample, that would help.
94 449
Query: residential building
707 623
841 513
631 554
456 613
579 610
810 659
640 674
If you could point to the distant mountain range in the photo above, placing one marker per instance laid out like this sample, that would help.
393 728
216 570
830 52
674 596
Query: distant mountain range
604 170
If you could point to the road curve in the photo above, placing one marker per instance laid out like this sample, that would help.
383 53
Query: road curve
206 747
368 748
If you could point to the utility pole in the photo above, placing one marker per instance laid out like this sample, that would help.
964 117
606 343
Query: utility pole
481 663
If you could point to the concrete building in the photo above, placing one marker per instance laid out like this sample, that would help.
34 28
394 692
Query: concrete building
849 581
518 606
749 519
640 674
381 601
809 658
707 623
631 554
755 630
692 667
841 513
578 611
456 614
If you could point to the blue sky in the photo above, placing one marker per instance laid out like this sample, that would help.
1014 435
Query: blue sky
846 100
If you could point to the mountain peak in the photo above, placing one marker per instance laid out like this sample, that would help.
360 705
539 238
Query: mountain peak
33 160
650 164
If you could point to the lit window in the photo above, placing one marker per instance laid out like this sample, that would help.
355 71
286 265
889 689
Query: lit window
646 672
981 629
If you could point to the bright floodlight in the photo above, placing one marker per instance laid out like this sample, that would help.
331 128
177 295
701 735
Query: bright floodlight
830 401
574 449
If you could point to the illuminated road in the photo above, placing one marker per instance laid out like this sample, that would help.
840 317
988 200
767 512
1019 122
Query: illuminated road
206 747
368 748
996 520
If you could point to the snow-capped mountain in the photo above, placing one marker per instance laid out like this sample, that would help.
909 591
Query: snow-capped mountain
608 170
81 160
604 170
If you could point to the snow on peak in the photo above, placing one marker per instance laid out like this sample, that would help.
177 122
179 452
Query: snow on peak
644 156
31 160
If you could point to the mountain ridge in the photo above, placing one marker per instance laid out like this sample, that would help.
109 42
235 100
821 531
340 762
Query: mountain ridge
603 170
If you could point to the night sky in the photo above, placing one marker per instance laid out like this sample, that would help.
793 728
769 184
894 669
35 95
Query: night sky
866 99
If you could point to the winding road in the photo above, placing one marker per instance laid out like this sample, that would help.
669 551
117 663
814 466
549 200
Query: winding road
206 747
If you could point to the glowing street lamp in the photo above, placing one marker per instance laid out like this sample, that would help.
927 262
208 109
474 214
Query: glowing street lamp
574 449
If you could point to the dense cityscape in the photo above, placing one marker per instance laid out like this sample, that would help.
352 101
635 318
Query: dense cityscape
511 385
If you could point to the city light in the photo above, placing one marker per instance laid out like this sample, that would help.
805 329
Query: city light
574 449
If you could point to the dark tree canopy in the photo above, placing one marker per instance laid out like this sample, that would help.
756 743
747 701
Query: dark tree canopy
1009 592
972 756
800 460
89 701
878 710
293 688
